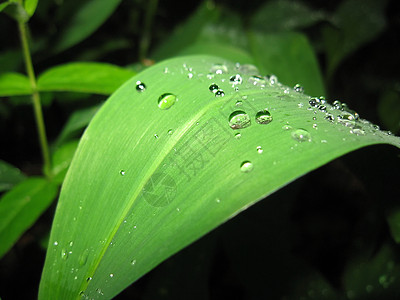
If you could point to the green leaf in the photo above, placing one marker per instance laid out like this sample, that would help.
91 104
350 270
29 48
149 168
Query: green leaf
87 19
76 122
290 57
393 219
159 167
100 78
4 5
61 160
367 21
389 109
12 84
30 6
284 15
21 207
15 10
9 176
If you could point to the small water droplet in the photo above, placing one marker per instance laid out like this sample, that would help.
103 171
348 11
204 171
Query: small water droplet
329 117
219 93
133 262
357 131
219 69
166 101
301 135
190 75
347 119
83 258
272 79
140 86
213 88
238 136
88 279
259 149
55 243
71 243
263 117
111 275
238 103
298 88
170 132
99 291
239 119
246 166
156 136
64 254
286 127
315 126
218 200
257 80
236 79
122 172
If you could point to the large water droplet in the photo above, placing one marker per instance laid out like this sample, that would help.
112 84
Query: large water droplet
239 119
140 86
219 69
83 258
236 79
165 101
301 135
263 117
246 166
272 79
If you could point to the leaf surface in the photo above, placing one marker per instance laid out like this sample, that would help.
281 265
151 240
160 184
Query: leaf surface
9 176
12 84
100 78
20 208
159 167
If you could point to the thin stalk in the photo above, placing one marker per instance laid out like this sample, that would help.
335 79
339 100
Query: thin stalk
145 40
37 107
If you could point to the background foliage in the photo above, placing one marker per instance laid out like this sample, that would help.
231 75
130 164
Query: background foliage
334 230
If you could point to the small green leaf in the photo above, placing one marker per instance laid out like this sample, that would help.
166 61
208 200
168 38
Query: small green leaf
9 176
15 10
76 123
61 160
99 78
88 17
13 84
30 6
290 57
168 159
4 5
20 208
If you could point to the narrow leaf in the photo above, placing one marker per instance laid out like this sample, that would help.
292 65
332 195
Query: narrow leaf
13 84
168 159
61 160
9 176
30 6
20 208
97 78
89 17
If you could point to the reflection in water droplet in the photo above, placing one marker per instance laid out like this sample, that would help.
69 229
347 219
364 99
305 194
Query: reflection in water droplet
236 79
219 69
301 135
259 149
298 88
140 86
239 119
156 135
122 172
165 101
218 200
111 275
55 243
263 117
246 166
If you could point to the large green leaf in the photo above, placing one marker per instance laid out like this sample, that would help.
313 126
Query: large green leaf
159 167
20 207
100 78
12 84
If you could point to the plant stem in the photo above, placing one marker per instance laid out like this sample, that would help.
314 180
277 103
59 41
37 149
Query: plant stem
35 98
145 40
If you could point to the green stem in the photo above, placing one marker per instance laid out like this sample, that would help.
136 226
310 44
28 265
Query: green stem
145 40
36 99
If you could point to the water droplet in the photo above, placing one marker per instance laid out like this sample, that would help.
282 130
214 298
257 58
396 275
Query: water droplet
347 119
257 80
213 88
170 132
259 149
133 262
238 136
71 243
238 103
55 243
219 93
286 127
272 79
122 172
111 275
357 131
88 279
165 101
248 69
64 254
83 258
246 166
218 200
236 79
263 117
219 69
239 119
140 86
190 75
315 126
301 135
314 102
99 291
298 88
329 117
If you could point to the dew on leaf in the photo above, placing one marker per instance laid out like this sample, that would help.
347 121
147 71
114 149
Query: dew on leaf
64 254
213 88
140 86
257 80
347 119
246 166
238 103
238 136
165 101
219 69
286 127
236 79
272 79
111 275
263 117
83 257
301 135
329 117
122 172
133 262
219 93
170 132
239 119
298 88
248 69
259 149
357 131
